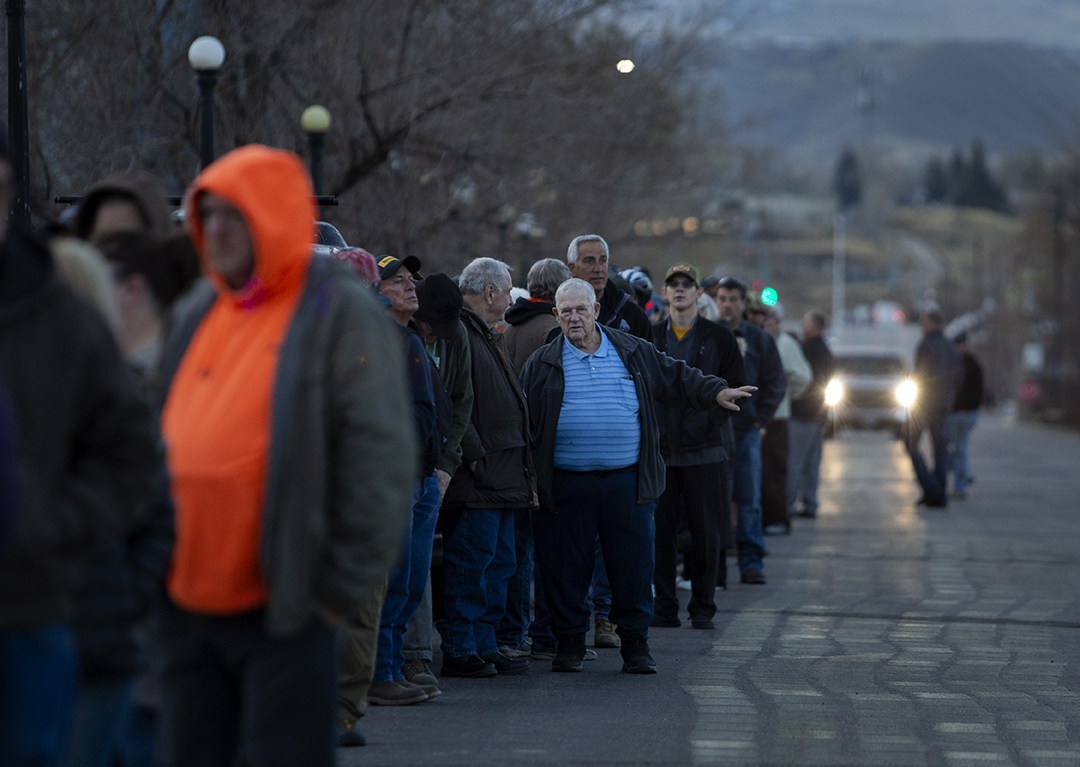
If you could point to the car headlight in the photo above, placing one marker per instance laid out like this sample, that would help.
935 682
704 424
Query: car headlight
834 392
906 393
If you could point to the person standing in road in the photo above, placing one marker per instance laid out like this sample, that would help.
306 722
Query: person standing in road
588 259
530 321
806 430
691 443
776 444
763 367
292 472
496 479
964 416
936 371
592 418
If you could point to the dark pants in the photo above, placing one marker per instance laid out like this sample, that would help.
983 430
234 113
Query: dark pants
233 694
933 484
588 504
774 474
700 490
37 694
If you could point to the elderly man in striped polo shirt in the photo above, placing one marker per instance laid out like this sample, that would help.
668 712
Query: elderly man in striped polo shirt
592 416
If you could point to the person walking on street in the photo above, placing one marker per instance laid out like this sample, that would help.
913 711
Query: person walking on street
495 481
691 443
937 372
592 418
292 472
761 362
806 430
964 416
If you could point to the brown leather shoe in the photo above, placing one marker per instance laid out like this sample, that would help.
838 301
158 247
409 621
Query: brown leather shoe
390 693
432 691
604 635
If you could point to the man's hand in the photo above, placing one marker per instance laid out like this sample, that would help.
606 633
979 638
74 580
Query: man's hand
444 482
728 397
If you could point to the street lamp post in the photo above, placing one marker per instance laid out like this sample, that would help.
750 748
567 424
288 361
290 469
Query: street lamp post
18 122
315 121
206 55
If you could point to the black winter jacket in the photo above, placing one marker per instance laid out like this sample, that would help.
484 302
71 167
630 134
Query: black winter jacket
496 467
85 431
937 371
657 378
620 311
763 367
811 405
715 353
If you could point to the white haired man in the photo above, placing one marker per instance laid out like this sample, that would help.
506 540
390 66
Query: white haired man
495 479
592 416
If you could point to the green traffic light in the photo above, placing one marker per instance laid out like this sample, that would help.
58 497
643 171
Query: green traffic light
768 296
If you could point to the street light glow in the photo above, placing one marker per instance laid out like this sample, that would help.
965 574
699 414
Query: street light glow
624 66
206 53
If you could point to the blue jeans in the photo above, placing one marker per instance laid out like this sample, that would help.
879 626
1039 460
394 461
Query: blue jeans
749 536
37 694
934 484
960 425
515 621
588 504
101 711
478 561
804 462
407 581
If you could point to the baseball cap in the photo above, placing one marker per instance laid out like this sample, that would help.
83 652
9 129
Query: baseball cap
684 269
440 305
388 265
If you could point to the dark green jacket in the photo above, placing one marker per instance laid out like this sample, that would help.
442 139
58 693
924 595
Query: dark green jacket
657 378
342 450
496 471
86 436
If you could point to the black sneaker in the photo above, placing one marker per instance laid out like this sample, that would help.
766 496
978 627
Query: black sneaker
664 622
701 623
636 657
468 667
753 575
570 656
506 666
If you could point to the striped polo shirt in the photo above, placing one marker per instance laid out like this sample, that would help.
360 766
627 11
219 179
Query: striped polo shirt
599 423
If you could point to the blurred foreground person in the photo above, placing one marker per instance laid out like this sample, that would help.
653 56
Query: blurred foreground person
592 416
937 370
964 416
85 441
692 445
292 464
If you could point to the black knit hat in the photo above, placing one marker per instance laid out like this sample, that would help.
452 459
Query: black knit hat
440 305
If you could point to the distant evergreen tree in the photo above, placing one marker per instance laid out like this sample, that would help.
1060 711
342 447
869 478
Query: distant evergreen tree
957 174
847 183
979 190
936 181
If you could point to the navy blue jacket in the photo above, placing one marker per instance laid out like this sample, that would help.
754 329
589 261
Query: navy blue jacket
761 362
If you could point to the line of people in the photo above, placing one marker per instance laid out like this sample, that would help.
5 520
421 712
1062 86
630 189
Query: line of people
221 495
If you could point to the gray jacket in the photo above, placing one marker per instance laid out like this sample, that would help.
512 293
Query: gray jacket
342 449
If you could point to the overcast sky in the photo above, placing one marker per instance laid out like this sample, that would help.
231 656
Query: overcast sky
1039 22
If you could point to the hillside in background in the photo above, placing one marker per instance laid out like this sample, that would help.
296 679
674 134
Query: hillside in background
926 97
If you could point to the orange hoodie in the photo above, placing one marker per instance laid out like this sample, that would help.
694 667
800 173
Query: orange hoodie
217 415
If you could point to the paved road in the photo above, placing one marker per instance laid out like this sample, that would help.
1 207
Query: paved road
887 635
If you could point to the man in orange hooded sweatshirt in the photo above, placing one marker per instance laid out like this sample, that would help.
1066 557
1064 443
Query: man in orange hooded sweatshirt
290 450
